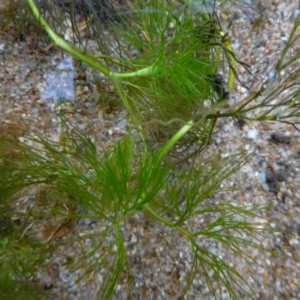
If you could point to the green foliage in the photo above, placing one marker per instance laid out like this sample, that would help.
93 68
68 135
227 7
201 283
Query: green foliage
173 73
110 187
18 259
173 97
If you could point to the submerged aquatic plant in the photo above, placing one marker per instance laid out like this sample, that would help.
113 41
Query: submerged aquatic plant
170 86
170 74
111 187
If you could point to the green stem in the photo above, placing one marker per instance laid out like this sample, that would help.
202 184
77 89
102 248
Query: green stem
175 138
211 129
152 70
78 53
287 47
232 63
63 44
241 116
227 45
159 156
168 223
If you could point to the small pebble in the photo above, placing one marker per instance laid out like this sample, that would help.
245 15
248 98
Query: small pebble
272 75
252 133
294 242
262 176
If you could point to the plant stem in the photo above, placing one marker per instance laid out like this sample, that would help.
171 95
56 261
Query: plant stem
152 70
231 59
287 47
169 223
177 136
78 53
64 45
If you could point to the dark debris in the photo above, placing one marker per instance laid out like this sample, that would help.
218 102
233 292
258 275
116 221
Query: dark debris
280 139
273 178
